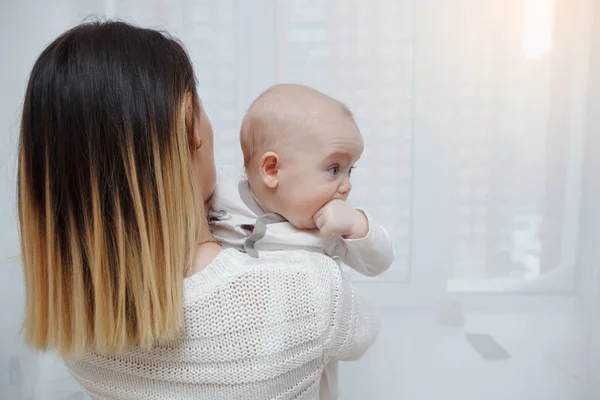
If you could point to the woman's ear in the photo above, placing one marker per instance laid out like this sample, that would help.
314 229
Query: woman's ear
269 166
192 114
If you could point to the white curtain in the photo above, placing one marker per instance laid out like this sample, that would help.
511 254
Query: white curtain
480 121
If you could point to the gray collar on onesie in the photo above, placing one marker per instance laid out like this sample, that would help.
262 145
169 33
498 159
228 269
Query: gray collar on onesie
260 226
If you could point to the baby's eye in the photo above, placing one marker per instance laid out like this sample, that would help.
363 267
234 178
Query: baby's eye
334 170
350 171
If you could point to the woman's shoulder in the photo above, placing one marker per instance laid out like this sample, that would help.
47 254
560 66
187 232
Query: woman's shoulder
291 290
304 267
279 284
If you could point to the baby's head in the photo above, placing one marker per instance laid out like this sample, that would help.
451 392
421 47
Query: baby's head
299 147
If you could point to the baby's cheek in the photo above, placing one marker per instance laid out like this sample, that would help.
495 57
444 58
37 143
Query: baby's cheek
301 208
315 202
303 202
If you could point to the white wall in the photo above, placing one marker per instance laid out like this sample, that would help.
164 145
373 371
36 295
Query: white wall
26 27
591 227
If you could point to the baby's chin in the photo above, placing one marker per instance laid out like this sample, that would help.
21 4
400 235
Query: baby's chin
307 224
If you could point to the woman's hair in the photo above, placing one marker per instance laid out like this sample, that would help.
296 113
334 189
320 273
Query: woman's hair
107 203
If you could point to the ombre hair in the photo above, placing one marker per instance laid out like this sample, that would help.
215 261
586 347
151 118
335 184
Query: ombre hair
108 207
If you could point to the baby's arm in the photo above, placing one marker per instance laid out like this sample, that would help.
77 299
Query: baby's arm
358 240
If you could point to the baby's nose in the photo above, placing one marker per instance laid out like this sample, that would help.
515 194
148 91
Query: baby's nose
345 187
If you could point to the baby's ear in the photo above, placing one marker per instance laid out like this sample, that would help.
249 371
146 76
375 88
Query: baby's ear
269 166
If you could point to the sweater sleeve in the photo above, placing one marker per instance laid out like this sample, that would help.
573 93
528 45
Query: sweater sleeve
353 324
369 256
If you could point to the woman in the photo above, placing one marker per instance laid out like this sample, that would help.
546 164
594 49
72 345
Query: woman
122 275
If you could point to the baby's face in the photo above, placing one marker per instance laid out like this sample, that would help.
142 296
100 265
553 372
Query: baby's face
316 169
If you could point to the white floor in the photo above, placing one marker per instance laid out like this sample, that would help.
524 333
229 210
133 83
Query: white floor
417 359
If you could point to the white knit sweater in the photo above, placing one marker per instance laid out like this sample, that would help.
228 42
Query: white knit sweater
254 329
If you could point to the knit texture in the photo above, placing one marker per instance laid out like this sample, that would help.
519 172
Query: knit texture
254 329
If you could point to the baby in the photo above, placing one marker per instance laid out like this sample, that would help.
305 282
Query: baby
299 148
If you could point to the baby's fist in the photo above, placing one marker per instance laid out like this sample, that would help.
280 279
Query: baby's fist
338 218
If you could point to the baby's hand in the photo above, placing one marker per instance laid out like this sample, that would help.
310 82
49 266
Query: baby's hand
338 218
